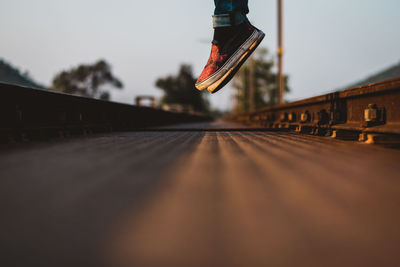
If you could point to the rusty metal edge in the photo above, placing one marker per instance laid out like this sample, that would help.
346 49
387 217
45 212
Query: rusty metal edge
371 91
372 88
27 113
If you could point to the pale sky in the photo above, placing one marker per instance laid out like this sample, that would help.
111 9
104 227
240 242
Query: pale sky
329 43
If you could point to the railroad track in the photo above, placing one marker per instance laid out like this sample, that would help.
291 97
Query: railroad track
201 194
369 113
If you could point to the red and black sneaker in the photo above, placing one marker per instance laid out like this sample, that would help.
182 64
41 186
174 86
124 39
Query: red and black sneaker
230 49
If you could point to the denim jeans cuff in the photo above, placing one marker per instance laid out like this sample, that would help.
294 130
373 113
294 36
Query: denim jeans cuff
226 20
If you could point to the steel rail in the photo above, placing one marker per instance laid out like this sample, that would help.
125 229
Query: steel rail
366 113
27 114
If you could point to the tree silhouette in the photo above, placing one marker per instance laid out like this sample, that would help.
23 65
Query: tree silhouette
265 83
180 90
87 80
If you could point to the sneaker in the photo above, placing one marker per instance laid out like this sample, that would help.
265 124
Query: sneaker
230 49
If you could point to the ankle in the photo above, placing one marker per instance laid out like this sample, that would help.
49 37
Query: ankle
222 34
230 19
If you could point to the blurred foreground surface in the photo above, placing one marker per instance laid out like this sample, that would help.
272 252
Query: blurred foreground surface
199 198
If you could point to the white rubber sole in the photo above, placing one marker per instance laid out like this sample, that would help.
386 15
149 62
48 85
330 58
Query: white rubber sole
212 82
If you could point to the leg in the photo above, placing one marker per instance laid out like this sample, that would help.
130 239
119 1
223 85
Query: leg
229 6
234 41
233 10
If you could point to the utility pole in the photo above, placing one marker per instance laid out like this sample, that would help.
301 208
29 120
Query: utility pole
252 80
280 81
